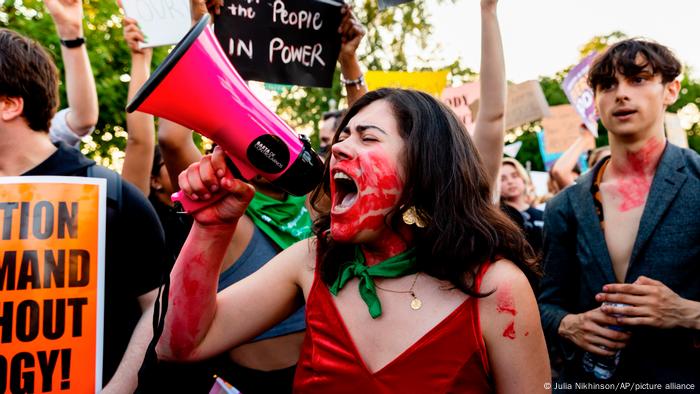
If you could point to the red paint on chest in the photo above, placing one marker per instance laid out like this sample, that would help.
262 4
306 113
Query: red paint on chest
509 332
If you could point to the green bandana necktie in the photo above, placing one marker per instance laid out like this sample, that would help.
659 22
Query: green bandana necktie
285 222
400 265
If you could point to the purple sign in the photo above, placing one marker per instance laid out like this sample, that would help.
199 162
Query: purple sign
580 95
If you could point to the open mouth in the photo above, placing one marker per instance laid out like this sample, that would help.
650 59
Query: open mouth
345 192
623 113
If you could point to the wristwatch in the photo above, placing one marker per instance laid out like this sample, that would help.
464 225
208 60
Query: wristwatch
74 43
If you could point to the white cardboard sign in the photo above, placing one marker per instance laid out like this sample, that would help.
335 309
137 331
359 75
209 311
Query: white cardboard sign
163 22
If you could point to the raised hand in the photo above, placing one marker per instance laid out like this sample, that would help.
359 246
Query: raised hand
210 176
489 3
351 31
134 36
67 15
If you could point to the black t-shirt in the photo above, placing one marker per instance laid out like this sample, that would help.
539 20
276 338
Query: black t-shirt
134 254
176 225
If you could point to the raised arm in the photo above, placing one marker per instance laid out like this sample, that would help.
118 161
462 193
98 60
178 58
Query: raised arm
489 130
80 83
125 378
138 158
561 171
351 31
177 147
200 323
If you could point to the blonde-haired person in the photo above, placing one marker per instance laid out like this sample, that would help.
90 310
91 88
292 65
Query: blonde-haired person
517 197
517 194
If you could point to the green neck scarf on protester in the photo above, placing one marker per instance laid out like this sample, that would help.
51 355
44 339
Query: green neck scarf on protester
285 222
400 265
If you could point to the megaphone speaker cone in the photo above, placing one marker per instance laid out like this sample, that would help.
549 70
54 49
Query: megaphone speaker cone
196 86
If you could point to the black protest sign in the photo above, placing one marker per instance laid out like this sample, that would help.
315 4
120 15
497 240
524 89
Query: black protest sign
293 42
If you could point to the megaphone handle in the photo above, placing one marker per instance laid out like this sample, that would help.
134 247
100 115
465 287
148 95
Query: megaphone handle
190 206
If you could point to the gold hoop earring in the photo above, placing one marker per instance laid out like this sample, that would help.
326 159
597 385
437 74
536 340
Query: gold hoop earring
410 217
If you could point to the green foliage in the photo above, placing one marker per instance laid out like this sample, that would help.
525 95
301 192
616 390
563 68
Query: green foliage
383 48
599 43
530 150
388 33
689 94
552 90
109 57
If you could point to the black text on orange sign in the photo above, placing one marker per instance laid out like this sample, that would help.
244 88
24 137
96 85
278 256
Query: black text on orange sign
21 371
39 220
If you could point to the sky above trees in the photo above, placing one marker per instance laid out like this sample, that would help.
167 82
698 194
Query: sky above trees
541 37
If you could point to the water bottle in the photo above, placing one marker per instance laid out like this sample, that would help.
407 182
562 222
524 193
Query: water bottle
603 367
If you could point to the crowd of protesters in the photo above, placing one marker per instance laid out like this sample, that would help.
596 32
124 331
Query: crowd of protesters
464 284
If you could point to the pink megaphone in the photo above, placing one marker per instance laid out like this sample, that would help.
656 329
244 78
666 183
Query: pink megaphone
197 87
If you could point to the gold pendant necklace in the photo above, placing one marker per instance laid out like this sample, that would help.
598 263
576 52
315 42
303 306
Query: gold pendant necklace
416 303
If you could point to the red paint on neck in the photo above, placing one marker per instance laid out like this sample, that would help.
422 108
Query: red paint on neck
636 173
386 247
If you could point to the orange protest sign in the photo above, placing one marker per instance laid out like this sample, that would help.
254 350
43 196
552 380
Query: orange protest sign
51 284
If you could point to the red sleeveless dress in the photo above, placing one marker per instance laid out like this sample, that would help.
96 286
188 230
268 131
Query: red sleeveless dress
450 358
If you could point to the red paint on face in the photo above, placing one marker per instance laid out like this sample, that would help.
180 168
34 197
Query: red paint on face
637 175
509 332
505 300
379 188
527 333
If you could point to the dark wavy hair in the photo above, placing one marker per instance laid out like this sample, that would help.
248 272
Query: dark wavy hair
28 71
448 186
622 58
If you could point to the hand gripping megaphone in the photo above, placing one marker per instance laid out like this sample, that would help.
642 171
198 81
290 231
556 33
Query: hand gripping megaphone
197 87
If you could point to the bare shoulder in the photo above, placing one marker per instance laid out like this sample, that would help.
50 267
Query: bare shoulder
300 257
503 273
512 332
511 309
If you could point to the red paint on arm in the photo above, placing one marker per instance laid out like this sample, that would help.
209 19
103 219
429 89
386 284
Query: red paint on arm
193 290
509 332
188 303
505 300
505 303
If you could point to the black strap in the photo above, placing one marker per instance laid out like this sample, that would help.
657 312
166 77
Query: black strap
148 376
114 183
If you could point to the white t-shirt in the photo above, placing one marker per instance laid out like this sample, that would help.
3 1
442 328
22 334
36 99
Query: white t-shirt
61 131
